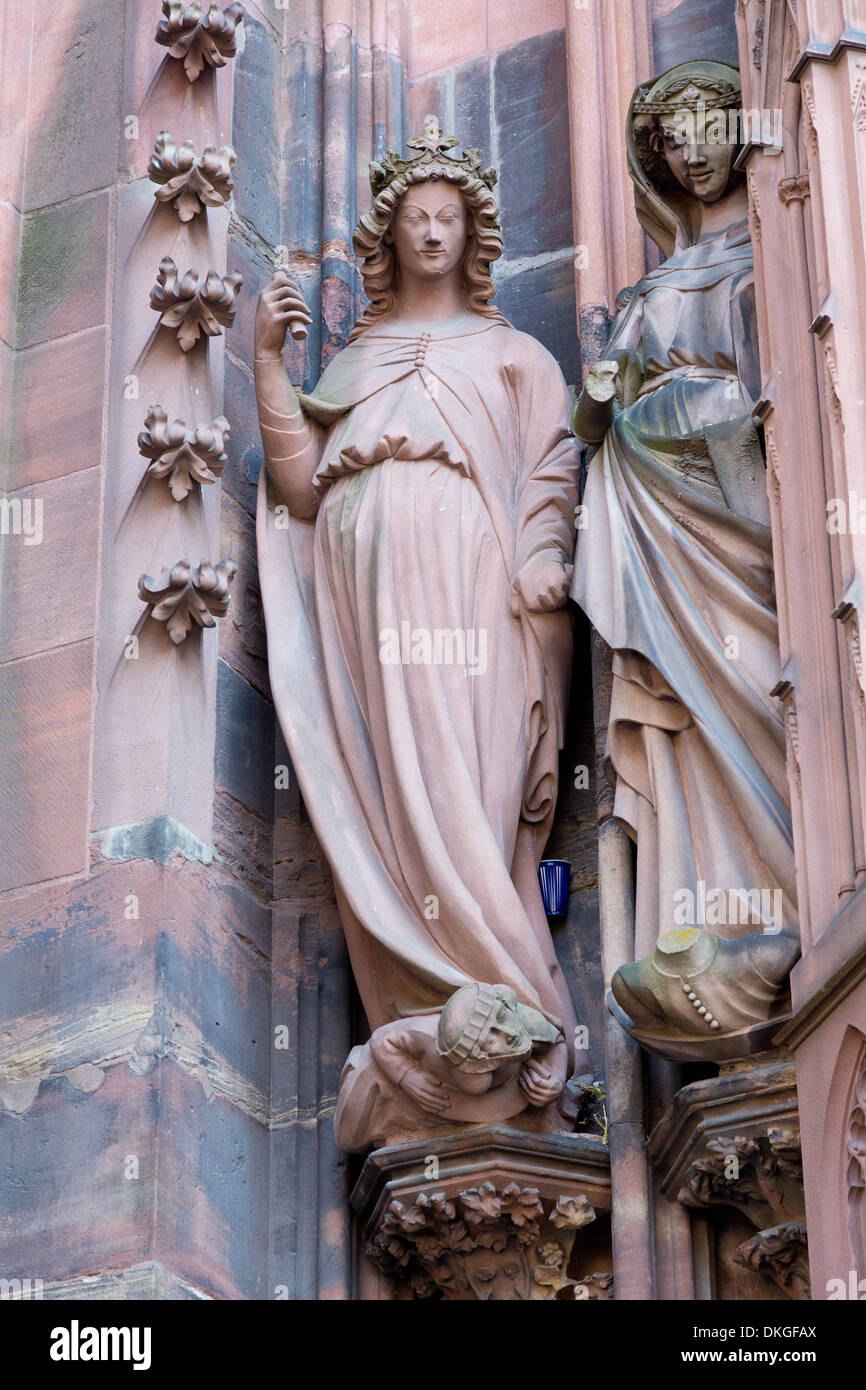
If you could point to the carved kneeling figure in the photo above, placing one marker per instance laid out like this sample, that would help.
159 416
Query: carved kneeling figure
484 1059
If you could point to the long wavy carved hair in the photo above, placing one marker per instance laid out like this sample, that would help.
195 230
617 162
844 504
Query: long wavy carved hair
379 266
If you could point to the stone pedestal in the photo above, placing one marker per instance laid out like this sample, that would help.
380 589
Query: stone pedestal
734 1141
489 1214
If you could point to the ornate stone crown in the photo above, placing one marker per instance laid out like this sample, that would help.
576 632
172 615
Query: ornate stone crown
433 147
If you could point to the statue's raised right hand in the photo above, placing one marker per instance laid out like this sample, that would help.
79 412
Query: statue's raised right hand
280 306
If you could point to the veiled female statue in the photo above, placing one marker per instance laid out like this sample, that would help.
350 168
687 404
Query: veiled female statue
674 569
415 533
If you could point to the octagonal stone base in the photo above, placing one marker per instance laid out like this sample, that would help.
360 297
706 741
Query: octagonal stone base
489 1214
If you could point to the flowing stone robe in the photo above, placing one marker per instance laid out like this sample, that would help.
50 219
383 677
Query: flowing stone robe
445 461
675 560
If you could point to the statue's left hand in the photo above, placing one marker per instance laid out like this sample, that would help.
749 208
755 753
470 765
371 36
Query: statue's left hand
543 582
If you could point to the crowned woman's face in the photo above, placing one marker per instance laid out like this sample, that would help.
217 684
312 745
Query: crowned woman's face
703 170
430 230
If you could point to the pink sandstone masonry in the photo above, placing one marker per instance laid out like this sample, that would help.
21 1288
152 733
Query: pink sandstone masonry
176 997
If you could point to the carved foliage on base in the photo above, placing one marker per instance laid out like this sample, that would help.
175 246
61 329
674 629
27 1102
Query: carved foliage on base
857 1133
199 304
183 595
488 1244
761 1176
781 1253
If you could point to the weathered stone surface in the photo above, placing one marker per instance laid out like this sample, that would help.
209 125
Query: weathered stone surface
259 117
149 1281
77 53
157 838
437 42
97 1197
10 231
510 21
682 31
302 145
44 763
244 843
116 969
116 1012
29 623
243 757
242 635
247 256
425 95
313 1005
15 43
211 1223
472 103
56 404
244 445
540 300
78 1211
62 275
531 113
300 868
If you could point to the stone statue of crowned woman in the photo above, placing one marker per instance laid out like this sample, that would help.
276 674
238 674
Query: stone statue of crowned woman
416 536
674 568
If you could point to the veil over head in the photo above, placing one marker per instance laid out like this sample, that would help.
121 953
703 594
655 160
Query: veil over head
664 208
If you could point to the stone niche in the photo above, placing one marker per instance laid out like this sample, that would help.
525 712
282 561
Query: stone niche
728 1148
489 1214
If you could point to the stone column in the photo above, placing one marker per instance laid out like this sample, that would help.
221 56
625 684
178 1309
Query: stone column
808 199
609 50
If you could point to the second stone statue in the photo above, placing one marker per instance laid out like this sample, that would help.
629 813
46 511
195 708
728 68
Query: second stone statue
416 532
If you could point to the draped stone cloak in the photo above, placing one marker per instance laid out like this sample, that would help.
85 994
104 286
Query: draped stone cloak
445 461
674 569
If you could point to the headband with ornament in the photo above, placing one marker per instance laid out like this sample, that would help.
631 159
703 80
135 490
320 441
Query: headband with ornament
688 91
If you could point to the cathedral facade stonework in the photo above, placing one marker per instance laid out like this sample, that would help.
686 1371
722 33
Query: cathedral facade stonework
432 706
